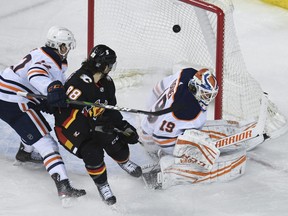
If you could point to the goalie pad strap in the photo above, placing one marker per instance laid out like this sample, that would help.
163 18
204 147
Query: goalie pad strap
205 150
195 147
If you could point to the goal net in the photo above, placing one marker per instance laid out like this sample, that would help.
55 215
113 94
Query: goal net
159 36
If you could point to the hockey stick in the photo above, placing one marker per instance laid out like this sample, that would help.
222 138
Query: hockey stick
110 107
255 130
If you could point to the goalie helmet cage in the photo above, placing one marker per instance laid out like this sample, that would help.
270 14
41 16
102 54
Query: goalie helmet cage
162 36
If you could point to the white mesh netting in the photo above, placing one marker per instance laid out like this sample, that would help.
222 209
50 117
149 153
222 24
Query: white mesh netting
141 33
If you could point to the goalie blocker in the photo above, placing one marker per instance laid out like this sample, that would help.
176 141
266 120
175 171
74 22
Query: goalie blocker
217 153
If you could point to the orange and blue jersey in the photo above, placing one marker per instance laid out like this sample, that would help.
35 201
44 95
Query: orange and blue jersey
166 128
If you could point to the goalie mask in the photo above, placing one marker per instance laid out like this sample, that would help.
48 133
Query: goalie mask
204 87
59 36
103 59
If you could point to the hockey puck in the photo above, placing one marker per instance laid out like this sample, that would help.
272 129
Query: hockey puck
176 28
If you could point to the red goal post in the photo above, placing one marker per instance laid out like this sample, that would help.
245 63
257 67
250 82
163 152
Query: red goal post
142 30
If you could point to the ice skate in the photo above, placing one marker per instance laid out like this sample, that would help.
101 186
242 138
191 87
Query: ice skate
65 189
131 168
23 156
106 194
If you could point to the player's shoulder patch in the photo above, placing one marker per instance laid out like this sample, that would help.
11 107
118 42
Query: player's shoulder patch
85 78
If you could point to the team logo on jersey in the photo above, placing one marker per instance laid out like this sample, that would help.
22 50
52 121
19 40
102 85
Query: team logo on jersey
94 111
86 78
101 89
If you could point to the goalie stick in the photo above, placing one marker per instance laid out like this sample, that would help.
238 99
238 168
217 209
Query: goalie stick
110 107
255 130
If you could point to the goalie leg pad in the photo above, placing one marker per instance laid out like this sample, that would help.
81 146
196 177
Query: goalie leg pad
227 167
230 165
195 147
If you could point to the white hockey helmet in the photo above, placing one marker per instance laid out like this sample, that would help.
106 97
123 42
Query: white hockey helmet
204 86
57 36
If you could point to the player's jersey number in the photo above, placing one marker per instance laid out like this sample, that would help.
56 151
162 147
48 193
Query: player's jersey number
73 93
167 126
21 65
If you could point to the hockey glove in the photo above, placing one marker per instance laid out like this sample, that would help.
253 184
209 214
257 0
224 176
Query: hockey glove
56 96
42 106
108 128
128 133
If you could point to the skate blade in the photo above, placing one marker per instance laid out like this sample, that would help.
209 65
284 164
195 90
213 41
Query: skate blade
17 163
68 202
151 179
29 165
118 209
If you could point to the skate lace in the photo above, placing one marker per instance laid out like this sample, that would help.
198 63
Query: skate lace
106 191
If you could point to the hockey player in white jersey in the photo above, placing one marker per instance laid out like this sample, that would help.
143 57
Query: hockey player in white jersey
41 72
192 89
181 141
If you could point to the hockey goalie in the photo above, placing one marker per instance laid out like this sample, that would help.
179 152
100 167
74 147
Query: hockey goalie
187 148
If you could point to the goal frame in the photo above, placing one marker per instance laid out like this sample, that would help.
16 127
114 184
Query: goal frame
219 43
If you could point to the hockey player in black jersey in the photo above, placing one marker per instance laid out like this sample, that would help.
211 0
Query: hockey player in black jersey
89 131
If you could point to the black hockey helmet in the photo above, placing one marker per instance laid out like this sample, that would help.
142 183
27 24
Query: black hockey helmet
101 56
